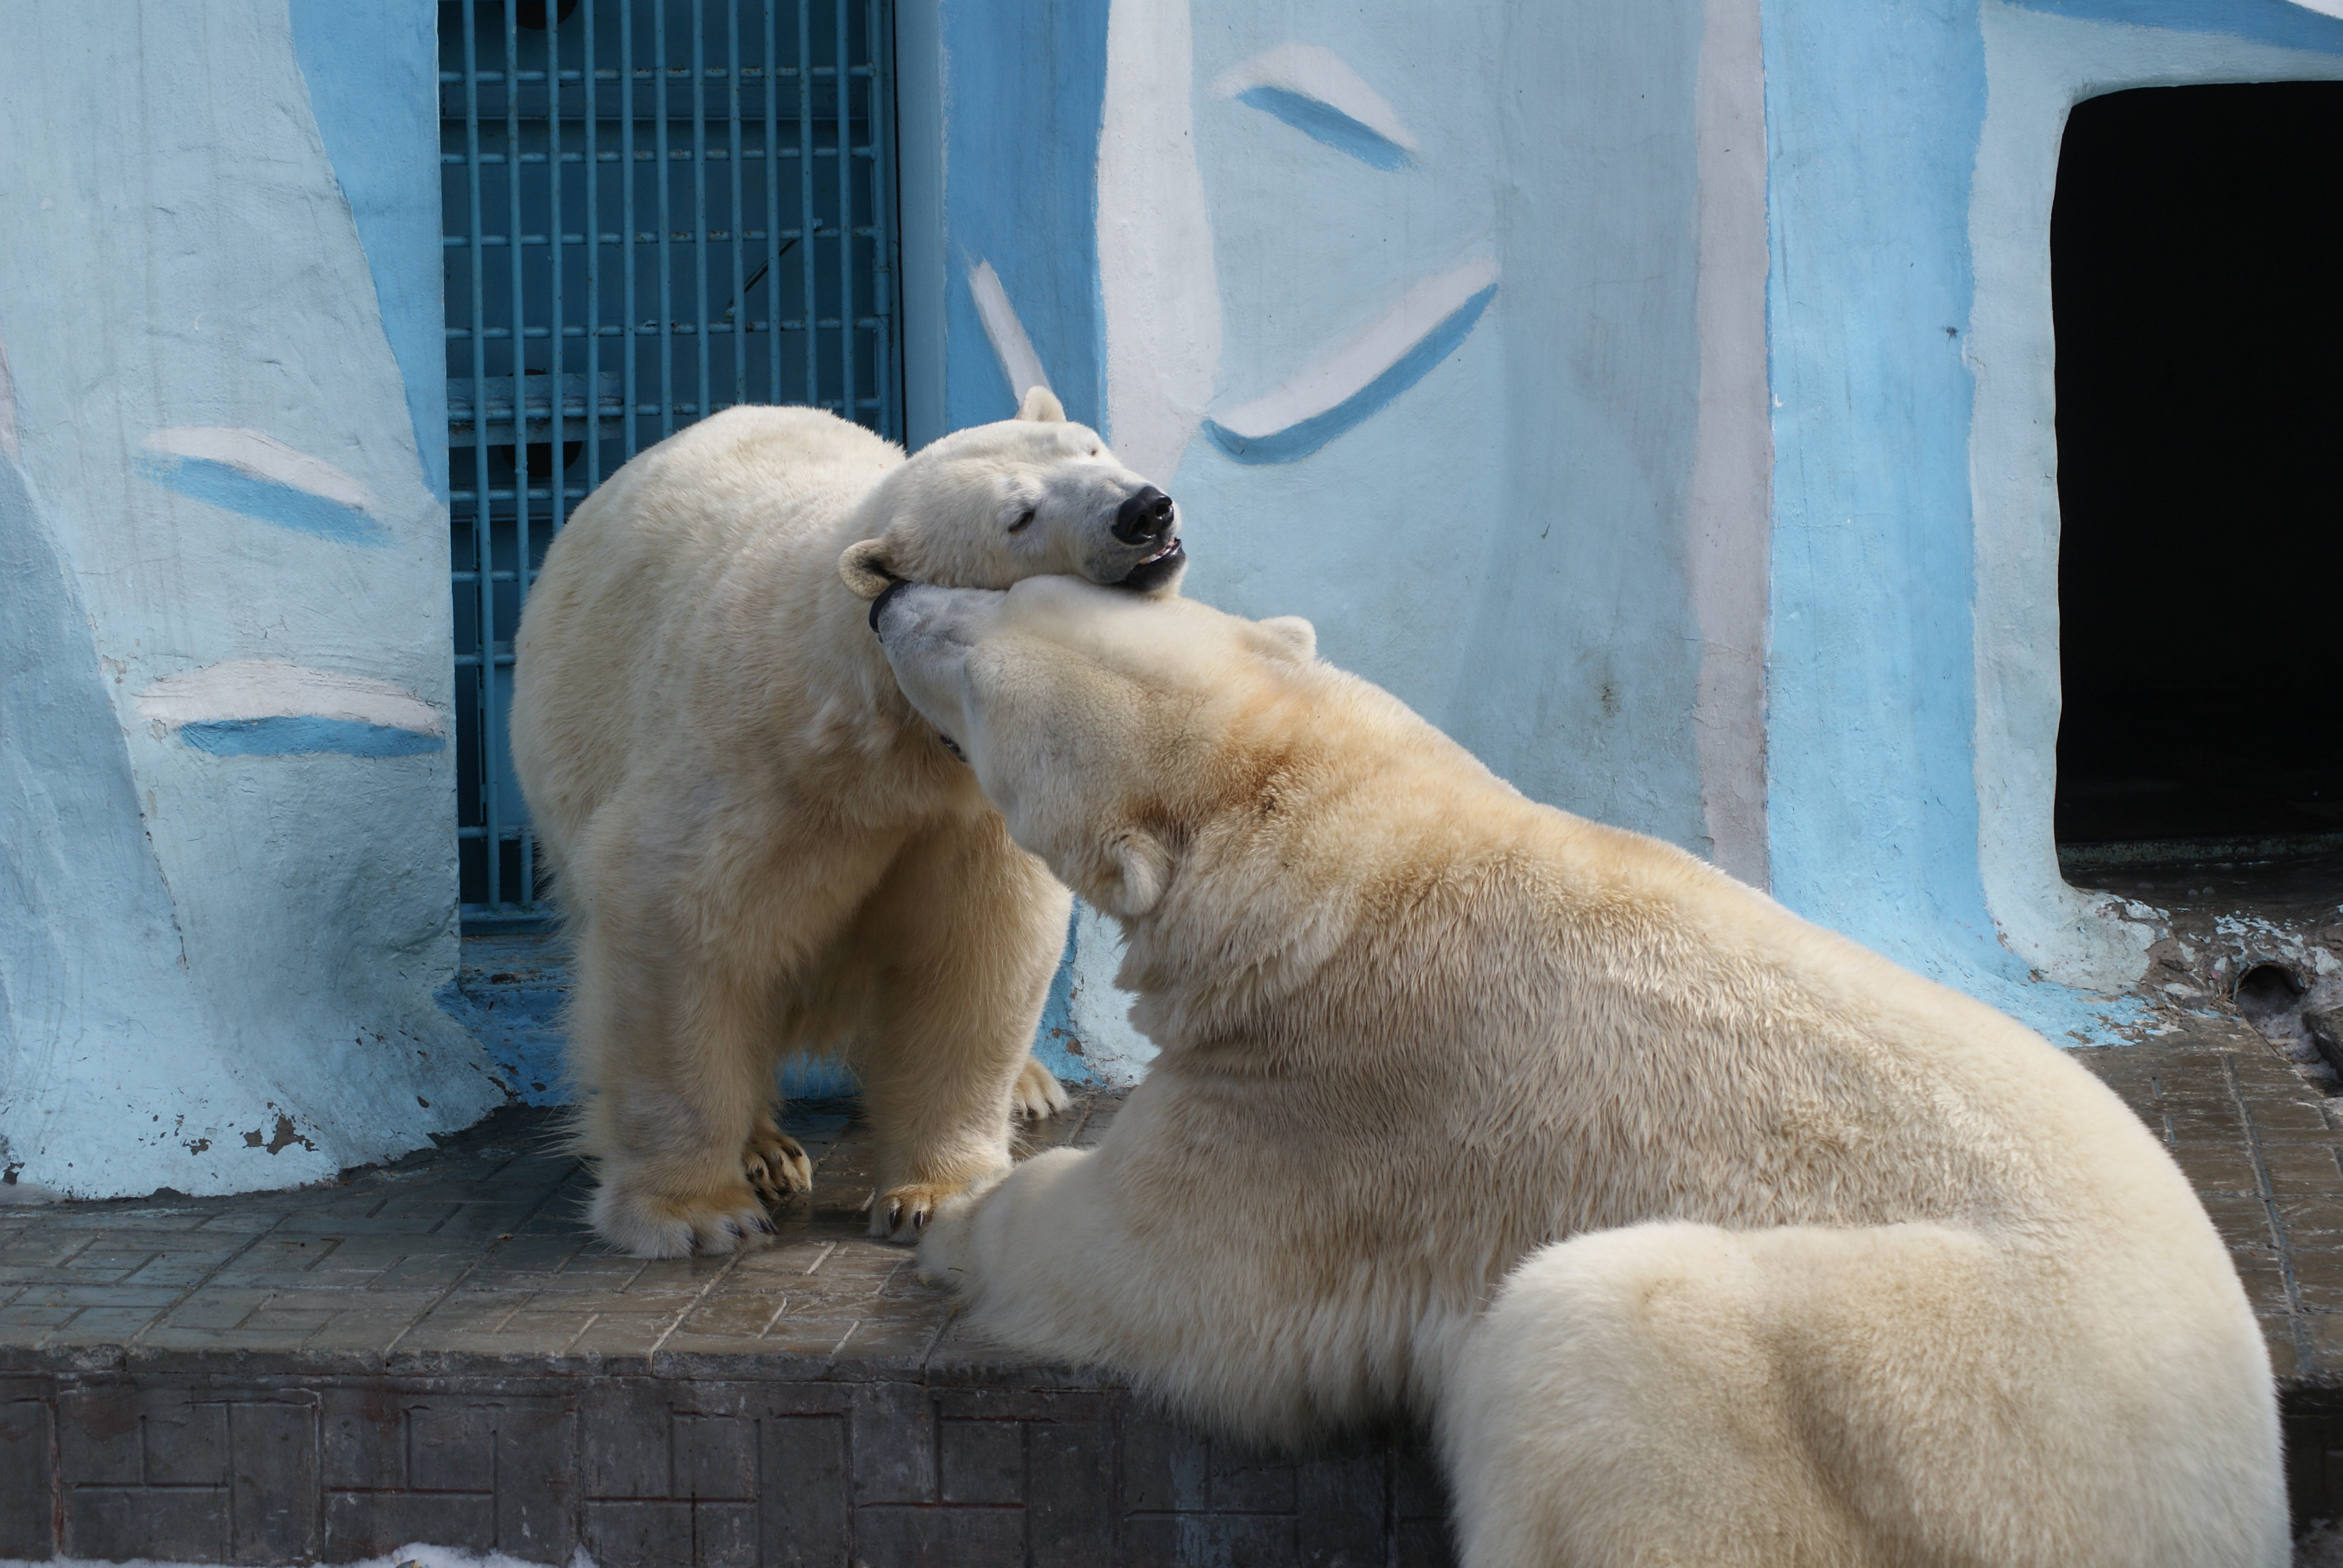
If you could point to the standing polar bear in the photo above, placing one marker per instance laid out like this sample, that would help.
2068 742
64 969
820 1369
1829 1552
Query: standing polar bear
759 846
1838 1267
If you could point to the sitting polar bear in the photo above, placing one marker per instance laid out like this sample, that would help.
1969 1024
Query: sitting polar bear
1837 1265
759 846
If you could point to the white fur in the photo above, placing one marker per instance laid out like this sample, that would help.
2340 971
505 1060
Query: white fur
759 846
1826 1264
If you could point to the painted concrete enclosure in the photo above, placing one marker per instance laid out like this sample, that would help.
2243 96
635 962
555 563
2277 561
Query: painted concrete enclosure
225 869
1657 394
1913 682
1444 325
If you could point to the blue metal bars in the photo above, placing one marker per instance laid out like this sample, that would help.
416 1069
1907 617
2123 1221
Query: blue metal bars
725 139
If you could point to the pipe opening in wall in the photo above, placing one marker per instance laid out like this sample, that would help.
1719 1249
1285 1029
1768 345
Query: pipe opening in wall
2266 990
2197 277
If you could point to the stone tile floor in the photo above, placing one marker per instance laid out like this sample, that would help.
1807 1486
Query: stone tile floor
478 1249
458 1292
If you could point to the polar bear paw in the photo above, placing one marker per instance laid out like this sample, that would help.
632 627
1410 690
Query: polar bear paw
902 1213
660 1225
775 1164
1038 1092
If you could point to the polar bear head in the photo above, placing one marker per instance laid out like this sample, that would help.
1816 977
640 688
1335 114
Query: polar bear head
988 507
1107 728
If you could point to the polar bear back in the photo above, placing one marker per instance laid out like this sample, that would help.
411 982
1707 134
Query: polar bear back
698 548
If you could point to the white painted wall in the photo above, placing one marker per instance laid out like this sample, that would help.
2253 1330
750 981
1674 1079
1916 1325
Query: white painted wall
228 876
1446 326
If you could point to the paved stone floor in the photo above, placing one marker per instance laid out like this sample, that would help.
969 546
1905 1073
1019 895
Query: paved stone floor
476 1249
438 1350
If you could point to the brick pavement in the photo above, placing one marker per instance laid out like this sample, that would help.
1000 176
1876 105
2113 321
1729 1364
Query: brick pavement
438 1350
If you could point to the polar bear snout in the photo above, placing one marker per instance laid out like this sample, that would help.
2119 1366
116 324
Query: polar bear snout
1146 518
926 631
1145 533
915 612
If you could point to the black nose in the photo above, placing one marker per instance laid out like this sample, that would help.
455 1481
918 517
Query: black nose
1144 518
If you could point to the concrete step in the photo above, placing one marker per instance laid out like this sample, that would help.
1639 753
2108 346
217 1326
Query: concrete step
438 1350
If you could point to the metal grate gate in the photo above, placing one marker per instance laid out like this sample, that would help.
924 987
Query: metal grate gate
653 209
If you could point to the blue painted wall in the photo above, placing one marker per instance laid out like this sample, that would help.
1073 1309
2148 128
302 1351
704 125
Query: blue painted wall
372 73
1909 807
1024 80
1872 121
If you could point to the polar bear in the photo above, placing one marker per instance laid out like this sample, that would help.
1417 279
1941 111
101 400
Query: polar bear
757 844
1826 1264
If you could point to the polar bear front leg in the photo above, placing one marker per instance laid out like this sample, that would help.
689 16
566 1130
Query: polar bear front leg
1036 1257
677 1119
971 926
775 1163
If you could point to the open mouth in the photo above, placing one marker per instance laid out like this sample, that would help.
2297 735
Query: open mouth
1158 568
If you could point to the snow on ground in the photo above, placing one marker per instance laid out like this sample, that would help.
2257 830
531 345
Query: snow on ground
417 1555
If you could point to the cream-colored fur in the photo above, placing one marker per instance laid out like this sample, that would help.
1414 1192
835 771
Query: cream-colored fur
759 846
1826 1264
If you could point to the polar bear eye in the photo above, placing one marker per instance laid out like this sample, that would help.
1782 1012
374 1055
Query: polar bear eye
1023 517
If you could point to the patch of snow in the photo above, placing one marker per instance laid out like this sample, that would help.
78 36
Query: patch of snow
419 1554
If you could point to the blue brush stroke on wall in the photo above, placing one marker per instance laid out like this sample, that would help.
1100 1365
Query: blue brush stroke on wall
2278 22
1022 132
1299 440
1050 1044
373 77
237 490
817 1078
306 735
1323 122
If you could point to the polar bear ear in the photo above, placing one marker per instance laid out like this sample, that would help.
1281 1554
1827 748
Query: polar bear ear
1043 407
1291 636
865 569
1140 866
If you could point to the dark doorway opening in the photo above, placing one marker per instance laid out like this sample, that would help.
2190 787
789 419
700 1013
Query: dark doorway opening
2196 278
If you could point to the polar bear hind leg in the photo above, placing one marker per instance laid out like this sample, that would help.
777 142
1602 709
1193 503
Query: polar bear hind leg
1908 1395
967 930
678 1098
1038 1095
